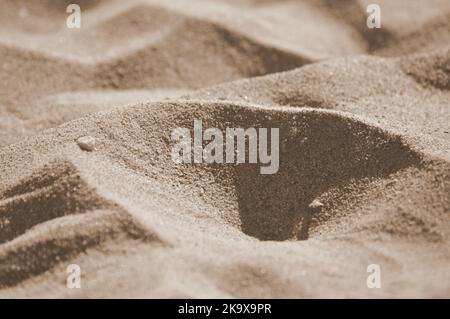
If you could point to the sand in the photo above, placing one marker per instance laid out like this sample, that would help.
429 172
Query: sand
87 177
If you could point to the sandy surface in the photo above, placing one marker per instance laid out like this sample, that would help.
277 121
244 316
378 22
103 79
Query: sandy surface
87 178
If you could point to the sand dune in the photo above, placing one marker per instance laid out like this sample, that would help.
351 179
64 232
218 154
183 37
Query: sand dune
224 200
364 175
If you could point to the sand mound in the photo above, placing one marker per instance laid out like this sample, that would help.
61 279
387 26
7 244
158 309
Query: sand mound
290 88
219 55
236 199
430 69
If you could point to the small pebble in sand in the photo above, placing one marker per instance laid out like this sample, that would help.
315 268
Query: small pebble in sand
86 143
316 204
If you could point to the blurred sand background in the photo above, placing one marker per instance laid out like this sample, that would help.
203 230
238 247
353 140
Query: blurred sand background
364 149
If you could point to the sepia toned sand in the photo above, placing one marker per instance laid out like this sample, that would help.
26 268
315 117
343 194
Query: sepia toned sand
87 178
